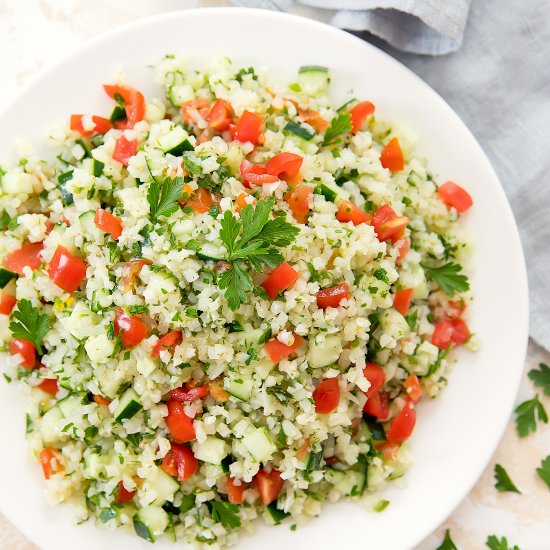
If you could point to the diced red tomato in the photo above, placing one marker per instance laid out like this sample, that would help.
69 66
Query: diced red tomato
168 342
300 201
122 495
413 388
331 297
348 212
49 385
195 109
313 118
179 424
255 173
26 256
133 100
450 331
131 271
278 351
280 279
102 125
25 350
327 396
402 300
201 201
190 392
66 270
403 247
51 461
124 150
7 303
402 425
220 115
377 404
359 113
108 223
392 156
388 449
455 196
135 330
235 493
388 225
456 308
180 462
249 128
100 400
269 485
286 166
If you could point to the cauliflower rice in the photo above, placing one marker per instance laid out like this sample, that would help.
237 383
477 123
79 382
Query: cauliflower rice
249 430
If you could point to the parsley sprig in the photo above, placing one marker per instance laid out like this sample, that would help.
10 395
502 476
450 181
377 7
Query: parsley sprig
541 377
527 414
253 240
163 197
29 324
544 471
339 125
448 277
503 482
447 543
495 544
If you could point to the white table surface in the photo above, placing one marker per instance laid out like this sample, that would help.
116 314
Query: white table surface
35 33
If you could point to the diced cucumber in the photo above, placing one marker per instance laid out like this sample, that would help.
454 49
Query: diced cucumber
297 129
82 323
97 297
164 486
350 482
273 515
99 348
150 522
69 404
414 179
258 443
210 252
346 106
175 142
66 196
94 465
324 350
15 183
51 425
129 405
87 222
212 450
394 324
240 388
314 459
97 168
176 90
313 79
213 472
6 276
331 192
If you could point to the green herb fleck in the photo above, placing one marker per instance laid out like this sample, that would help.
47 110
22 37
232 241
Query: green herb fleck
29 324
527 414
448 277
503 483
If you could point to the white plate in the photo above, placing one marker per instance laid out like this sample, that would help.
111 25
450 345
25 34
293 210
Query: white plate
457 433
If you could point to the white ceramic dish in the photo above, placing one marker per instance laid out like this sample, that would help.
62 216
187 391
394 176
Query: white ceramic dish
457 433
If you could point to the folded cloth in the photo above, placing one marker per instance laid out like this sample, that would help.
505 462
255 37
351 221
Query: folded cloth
421 26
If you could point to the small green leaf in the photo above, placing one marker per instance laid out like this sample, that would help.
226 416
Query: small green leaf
447 543
544 471
339 125
495 544
448 277
541 377
503 483
29 324
527 414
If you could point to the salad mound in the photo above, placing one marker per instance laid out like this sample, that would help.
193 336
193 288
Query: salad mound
227 301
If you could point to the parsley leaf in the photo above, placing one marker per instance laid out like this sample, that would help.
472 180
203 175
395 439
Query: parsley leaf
503 483
447 543
29 324
253 239
527 412
163 197
133 310
225 513
544 471
494 544
448 277
541 377
339 125
237 284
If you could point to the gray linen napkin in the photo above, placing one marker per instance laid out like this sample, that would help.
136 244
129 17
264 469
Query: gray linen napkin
421 26
499 84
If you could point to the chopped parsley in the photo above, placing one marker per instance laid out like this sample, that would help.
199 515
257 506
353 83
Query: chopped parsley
225 513
339 125
503 483
138 309
254 240
448 277
163 197
29 324
527 414
382 275
495 544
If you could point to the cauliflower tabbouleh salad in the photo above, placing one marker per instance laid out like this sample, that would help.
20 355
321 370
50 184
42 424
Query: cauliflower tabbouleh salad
227 303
